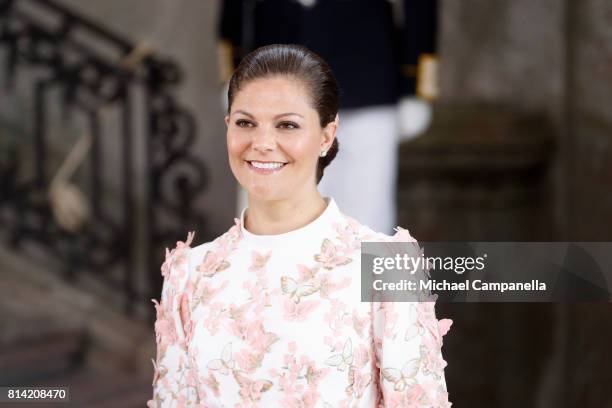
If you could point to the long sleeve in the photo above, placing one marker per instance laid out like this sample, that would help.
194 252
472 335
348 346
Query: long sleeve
408 341
173 380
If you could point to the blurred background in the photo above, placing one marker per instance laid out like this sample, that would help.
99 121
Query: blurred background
112 148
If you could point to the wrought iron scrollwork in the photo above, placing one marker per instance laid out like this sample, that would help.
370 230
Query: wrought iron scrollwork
91 83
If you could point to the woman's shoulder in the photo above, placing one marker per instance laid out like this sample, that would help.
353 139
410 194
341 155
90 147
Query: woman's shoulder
366 233
224 242
177 256
186 254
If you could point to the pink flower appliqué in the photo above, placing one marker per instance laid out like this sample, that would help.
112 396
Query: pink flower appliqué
165 329
327 286
357 382
216 314
298 311
435 328
258 338
331 255
412 398
402 235
246 360
307 274
431 357
259 261
185 314
212 382
251 390
212 263
177 257
348 233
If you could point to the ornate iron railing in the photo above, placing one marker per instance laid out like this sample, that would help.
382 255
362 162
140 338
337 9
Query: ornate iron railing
96 72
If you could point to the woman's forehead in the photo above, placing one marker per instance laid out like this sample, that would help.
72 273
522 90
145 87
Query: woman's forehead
272 96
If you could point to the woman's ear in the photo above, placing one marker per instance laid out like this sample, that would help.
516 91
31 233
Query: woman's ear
329 133
226 120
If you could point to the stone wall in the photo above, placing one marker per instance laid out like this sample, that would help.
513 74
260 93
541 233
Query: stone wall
588 119
510 54
552 59
588 153
503 52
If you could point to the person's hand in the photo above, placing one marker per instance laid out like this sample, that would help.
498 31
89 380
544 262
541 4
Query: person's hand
414 117
69 205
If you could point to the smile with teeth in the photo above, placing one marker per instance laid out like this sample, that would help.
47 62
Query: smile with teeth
266 166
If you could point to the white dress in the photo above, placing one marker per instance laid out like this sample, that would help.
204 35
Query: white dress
277 321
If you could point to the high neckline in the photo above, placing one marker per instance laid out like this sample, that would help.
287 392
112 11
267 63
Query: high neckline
312 230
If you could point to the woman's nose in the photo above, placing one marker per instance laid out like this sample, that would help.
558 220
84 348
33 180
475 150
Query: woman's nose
264 139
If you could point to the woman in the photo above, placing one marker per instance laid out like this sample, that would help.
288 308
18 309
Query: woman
269 313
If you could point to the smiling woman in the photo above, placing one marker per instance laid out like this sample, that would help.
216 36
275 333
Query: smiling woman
284 145
283 102
270 312
281 125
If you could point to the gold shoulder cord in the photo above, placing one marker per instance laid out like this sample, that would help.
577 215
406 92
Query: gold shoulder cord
225 53
427 77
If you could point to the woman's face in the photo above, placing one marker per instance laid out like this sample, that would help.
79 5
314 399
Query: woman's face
274 138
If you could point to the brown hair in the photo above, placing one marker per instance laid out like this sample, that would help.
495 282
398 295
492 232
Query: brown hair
299 62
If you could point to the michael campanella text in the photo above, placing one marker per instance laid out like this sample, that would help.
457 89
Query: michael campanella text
476 284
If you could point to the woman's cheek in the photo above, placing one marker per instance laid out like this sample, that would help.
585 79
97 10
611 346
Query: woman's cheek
236 145
299 147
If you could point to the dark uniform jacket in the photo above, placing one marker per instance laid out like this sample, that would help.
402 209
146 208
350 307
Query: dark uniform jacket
374 60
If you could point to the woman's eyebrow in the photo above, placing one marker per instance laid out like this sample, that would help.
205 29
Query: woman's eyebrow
244 113
288 114
275 117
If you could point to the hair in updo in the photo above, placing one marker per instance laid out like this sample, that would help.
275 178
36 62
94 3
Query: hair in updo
299 62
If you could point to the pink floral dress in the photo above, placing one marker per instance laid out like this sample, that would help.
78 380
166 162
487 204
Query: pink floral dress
277 321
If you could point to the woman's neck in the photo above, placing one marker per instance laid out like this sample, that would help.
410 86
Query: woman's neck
280 216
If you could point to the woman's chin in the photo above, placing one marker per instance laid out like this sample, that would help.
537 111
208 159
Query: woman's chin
265 193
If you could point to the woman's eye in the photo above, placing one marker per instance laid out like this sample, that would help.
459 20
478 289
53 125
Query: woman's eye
243 123
288 125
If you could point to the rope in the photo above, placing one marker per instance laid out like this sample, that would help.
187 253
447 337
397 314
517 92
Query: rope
68 203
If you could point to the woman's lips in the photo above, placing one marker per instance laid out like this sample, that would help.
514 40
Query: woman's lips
260 170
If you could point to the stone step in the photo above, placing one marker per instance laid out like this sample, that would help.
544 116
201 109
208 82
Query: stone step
28 360
95 388
34 302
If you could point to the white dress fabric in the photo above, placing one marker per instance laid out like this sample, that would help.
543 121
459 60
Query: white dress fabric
277 321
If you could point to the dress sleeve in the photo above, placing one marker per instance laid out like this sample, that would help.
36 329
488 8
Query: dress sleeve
408 342
173 378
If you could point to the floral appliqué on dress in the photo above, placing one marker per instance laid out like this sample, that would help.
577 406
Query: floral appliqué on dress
245 323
